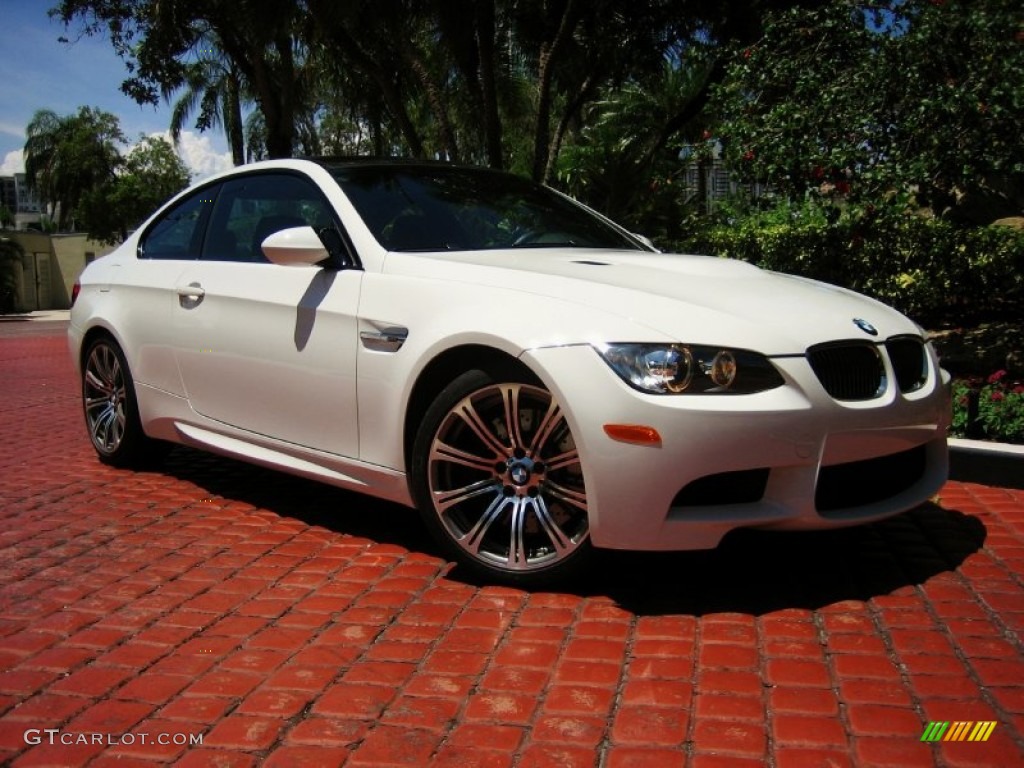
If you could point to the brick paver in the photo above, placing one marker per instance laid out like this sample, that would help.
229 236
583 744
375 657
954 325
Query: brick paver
292 624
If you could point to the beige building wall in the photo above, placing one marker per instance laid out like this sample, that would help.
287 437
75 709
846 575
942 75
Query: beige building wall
51 265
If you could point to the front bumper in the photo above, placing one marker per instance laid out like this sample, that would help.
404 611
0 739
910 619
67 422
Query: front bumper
808 456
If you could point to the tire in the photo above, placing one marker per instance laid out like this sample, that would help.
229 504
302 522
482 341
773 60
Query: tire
111 409
498 481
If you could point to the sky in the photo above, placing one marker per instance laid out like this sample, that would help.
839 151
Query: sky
38 72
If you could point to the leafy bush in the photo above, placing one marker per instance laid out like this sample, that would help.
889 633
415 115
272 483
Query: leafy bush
992 408
929 268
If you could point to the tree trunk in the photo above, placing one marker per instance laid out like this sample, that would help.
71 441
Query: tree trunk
548 56
233 119
488 88
570 112
392 98
434 98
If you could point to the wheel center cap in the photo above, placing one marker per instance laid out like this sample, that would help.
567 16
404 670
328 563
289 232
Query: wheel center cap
519 472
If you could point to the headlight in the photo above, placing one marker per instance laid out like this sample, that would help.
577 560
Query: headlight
677 369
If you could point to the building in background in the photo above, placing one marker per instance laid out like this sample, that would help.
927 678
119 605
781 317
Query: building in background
46 272
20 202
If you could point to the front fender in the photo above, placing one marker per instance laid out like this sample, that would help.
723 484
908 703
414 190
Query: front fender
440 316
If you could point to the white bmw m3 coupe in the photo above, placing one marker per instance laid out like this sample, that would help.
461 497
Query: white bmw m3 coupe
535 380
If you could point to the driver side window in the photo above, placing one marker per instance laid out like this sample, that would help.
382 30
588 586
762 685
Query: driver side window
251 208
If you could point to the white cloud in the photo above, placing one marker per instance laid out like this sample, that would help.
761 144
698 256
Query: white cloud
198 154
13 163
195 151
11 129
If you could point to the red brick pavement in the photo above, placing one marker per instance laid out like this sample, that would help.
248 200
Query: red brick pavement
292 624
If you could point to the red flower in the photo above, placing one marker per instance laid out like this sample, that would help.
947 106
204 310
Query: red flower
747 52
843 187
748 155
1019 389
996 377
997 396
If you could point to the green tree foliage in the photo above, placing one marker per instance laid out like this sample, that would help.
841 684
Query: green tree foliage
625 160
930 268
161 40
146 177
77 166
212 86
497 82
870 99
66 156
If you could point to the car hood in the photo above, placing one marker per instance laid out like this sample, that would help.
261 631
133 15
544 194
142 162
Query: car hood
694 299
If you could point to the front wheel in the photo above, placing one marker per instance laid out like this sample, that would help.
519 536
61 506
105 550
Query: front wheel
111 410
497 477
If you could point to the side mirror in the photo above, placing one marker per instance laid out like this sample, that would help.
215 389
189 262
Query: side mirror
294 247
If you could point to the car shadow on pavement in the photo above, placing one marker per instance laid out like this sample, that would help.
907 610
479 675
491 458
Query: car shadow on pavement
751 572
314 503
757 572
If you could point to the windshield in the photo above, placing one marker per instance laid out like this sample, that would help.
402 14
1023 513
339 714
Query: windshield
439 208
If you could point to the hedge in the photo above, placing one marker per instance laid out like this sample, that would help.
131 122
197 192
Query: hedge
931 269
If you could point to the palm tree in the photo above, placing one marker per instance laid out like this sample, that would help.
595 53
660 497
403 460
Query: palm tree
212 84
42 164
631 140
67 156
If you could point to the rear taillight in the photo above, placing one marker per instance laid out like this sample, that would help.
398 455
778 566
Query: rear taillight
75 290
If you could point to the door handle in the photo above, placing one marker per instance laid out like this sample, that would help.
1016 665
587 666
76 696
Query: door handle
190 295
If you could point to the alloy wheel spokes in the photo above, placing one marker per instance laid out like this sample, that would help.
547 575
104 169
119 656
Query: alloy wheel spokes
104 396
556 535
472 540
467 411
576 498
505 478
546 428
445 499
443 452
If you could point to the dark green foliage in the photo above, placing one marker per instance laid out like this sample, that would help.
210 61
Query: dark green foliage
76 165
930 268
67 156
10 254
874 97
146 177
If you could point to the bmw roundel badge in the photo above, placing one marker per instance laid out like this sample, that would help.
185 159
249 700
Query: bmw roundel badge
865 326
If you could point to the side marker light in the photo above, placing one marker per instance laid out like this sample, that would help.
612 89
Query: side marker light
633 433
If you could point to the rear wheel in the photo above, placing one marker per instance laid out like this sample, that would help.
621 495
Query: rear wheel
498 479
111 409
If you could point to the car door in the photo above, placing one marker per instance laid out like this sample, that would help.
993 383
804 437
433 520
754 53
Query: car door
145 287
262 347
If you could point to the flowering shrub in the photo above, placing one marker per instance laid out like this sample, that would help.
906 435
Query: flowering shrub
992 408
